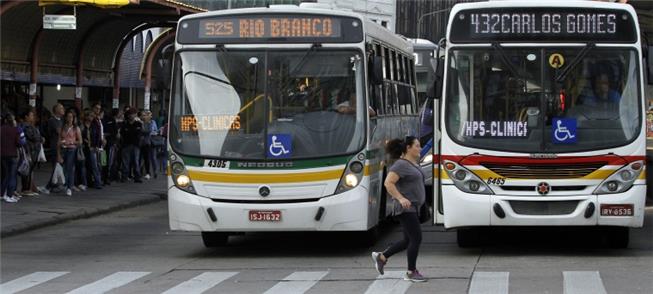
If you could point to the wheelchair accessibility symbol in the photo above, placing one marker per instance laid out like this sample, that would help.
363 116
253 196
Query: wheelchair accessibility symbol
279 146
564 131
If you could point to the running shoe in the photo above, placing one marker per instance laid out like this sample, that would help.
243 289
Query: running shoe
414 276
378 263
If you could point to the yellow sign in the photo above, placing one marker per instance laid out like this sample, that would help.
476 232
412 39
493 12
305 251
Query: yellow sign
556 60
98 3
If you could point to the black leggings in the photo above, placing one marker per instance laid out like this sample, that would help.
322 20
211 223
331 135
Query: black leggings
412 239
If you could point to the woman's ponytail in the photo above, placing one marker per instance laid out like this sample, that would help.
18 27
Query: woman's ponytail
395 148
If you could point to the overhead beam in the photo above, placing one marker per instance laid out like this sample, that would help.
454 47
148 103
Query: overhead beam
149 59
118 53
8 5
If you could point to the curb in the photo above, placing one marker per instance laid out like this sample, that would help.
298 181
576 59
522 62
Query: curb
77 214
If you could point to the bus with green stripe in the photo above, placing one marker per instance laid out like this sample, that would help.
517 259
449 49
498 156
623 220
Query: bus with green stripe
279 118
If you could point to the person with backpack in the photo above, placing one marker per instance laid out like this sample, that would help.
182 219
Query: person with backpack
53 131
34 143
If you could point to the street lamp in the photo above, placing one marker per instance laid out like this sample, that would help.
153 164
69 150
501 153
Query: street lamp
419 21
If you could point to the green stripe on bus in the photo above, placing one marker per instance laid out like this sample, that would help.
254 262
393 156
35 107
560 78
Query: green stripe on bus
292 164
275 165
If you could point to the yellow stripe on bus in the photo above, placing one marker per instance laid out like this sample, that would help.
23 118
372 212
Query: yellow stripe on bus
265 178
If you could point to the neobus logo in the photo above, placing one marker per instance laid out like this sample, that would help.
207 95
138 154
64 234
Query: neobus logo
264 164
543 156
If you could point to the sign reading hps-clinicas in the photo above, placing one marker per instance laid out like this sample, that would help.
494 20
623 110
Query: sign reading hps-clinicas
538 24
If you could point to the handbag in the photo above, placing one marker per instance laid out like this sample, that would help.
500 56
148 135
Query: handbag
24 166
58 176
103 157
80 154
41 157
158 141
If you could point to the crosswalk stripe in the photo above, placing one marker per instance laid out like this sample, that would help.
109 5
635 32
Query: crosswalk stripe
489 283
28 281
201 283
297 282
578 282
110 282
390 283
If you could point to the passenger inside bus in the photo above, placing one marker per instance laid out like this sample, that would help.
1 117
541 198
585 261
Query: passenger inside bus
349 106
602 94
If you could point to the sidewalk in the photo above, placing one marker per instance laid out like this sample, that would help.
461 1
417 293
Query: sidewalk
33 212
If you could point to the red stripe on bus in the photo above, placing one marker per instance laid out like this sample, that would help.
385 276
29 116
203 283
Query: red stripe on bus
478 159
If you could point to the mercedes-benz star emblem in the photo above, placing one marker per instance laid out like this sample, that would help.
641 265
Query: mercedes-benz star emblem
264 191
543 188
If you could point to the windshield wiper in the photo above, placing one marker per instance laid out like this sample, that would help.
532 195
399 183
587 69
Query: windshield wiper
209 77
561 77
301 62
505 59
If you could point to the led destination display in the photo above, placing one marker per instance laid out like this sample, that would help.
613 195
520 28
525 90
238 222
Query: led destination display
287 28
543 24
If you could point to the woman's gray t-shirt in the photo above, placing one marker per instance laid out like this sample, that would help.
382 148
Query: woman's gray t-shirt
410 184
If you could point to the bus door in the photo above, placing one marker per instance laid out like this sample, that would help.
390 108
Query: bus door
436 93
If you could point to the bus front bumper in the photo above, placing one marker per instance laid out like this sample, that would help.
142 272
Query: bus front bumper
471 210
342 212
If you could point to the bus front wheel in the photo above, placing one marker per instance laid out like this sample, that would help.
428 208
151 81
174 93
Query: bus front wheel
215 239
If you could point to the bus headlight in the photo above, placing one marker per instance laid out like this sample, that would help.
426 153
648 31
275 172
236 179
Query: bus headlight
183 181
351 180
180 176
353 174
465 180
622 179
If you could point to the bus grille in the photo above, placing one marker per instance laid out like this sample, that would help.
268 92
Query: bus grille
534 188
557 171
543 207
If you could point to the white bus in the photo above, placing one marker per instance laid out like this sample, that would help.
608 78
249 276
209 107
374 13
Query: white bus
541 118
279 118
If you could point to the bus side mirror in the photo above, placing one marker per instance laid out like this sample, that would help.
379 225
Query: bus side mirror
376 70
649 65
435 90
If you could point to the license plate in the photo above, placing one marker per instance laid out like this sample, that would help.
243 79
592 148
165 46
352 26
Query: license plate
617 209
265 215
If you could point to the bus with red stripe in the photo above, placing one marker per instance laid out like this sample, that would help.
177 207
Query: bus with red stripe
540 119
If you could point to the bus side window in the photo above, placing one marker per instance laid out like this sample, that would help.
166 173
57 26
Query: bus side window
386 63
376 92
389 98
374 98
405 100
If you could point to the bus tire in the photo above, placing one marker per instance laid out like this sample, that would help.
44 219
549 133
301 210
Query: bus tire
617 237
214 239
468 237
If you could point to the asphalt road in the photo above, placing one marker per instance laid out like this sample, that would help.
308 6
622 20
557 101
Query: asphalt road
133 251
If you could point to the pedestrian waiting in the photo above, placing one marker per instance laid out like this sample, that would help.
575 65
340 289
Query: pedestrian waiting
9 153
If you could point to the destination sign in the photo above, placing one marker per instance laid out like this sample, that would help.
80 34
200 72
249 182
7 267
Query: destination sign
193 123
293 28
543 24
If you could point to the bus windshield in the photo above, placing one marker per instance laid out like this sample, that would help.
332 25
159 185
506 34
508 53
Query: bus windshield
268 104
530 99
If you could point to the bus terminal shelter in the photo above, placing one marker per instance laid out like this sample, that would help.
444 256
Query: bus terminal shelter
77 43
